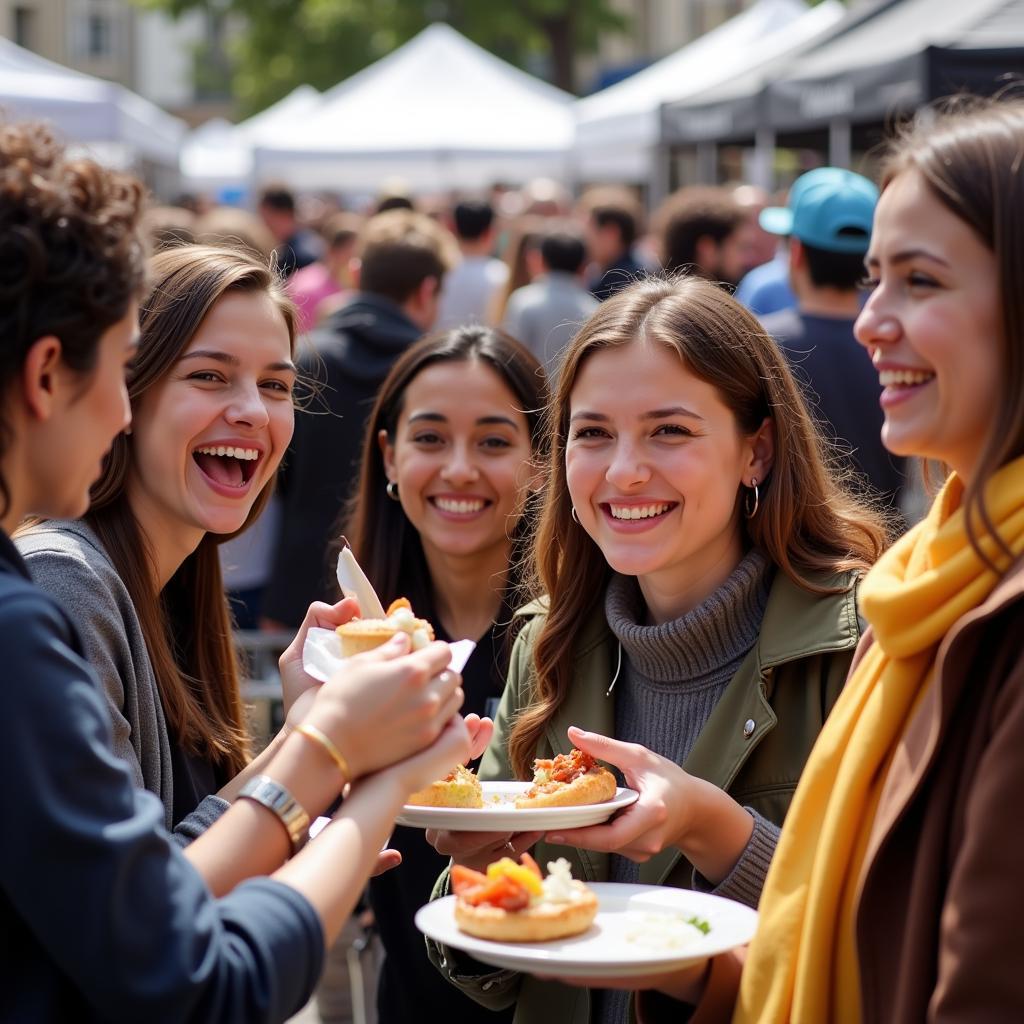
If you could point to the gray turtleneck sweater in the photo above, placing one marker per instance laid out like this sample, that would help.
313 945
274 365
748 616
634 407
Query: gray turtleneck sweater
672 676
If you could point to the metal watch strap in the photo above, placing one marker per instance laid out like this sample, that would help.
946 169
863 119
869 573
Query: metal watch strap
272 795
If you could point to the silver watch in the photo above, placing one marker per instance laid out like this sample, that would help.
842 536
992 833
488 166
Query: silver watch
272 795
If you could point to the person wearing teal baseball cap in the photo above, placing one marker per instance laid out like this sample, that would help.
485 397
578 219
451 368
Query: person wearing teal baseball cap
829 208
828 223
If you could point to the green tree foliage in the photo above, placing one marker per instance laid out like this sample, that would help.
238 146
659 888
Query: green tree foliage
284 43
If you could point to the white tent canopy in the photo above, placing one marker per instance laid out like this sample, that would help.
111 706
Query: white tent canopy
439 112
617 129
99 114
219 153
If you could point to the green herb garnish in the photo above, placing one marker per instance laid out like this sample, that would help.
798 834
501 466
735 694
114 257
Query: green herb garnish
700 924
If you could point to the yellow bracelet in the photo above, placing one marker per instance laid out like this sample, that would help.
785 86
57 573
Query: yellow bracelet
319 737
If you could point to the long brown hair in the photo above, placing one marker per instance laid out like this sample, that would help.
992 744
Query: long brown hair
807 524
970 152
383 540
187 625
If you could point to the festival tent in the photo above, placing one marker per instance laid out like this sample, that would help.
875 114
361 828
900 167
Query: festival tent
884 58
898 57
218 154
439 113
618 130
114 123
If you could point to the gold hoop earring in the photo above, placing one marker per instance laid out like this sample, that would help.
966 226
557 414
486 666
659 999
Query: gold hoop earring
392 490
747 510
575 517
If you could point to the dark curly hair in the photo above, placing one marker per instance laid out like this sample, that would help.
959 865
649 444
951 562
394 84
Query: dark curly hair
71 253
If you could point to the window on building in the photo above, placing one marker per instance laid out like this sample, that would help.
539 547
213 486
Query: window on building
98 36
24 26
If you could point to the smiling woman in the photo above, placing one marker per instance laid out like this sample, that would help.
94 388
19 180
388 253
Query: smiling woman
211 396
698 563
440 514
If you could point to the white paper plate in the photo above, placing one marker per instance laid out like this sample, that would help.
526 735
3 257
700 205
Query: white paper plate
639 929
500 814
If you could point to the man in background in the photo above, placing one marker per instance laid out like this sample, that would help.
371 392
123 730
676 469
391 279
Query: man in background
546 315
703 230
471 286
613 223
296 246
828 221
403 259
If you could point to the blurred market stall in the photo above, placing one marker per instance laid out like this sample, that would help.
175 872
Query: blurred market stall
439 112
117 126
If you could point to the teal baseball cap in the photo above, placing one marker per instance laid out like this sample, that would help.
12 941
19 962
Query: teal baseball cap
829 208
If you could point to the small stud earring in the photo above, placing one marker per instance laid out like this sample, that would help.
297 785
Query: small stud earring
392 490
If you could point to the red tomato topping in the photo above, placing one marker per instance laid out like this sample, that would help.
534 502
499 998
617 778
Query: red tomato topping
464 878
528 862
566 767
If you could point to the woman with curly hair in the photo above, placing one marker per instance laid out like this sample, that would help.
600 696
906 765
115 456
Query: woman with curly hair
103 916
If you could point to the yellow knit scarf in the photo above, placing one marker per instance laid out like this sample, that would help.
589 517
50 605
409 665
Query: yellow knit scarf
802 965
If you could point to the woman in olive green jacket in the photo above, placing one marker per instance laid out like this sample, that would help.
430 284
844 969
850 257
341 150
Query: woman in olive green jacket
700 564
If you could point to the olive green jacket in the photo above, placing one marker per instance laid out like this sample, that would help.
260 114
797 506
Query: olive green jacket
754 746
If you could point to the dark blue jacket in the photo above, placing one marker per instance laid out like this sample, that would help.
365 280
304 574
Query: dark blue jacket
102 918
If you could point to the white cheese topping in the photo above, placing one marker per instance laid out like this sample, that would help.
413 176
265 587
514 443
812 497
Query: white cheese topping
559 886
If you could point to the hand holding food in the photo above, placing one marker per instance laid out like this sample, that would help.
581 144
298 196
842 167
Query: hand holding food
513 903
478 849
294 679
674 809
568 780
406 697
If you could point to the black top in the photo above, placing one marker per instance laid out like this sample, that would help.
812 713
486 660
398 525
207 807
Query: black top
410 988
101 916
195 779
624 271
842 390
298 251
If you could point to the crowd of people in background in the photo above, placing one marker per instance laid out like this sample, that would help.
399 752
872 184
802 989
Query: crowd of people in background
657 464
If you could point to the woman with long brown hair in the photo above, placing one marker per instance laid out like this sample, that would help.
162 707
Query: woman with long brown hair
211 391
895 891
698 563
440 516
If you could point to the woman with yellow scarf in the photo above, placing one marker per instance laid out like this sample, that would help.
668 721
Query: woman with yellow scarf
896 891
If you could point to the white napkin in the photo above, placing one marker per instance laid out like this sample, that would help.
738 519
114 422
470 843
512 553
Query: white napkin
321 653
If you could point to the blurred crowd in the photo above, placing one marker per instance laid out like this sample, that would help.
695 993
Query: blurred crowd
535 262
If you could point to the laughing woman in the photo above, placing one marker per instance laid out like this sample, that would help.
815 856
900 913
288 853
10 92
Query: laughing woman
700 565
212 414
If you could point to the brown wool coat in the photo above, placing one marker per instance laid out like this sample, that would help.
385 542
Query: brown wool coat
940 923
940 917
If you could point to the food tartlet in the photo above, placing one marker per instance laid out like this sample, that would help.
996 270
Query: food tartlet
514 903
361 635
460 788
568 780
